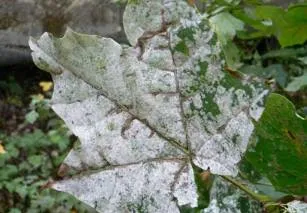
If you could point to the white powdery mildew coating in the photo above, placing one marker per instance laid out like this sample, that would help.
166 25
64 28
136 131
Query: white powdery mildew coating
147 16
296 207
257 106
69 89
216 109
44 59
223 151
157 53
184 189
109 136
148 92
137 143
154 98
145 186
224 97
138 21
179 12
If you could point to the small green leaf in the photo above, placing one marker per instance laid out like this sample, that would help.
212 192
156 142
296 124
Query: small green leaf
46 202
297 83
12 151
14 210
226 25
32 116
279 148
289 27
293 30
22 191
36 160
10 171
232 55
303 59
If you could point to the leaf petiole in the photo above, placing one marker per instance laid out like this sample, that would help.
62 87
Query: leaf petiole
261 198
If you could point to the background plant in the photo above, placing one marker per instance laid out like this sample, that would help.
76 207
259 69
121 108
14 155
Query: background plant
30 157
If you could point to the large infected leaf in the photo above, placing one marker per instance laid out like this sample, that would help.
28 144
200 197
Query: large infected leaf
145 114
279 148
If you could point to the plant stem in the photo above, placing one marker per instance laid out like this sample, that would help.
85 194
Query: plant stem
261 198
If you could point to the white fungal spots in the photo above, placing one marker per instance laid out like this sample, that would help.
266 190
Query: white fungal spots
144 186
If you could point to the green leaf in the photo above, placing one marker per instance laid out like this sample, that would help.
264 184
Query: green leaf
289 27
303 60
45 202
248 16
297 83
232 55
225 25
14 210
293 28
279 148
12 151
32 116
36 160
9 171
22 191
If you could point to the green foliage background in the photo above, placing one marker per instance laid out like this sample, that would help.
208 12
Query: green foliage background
31 156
